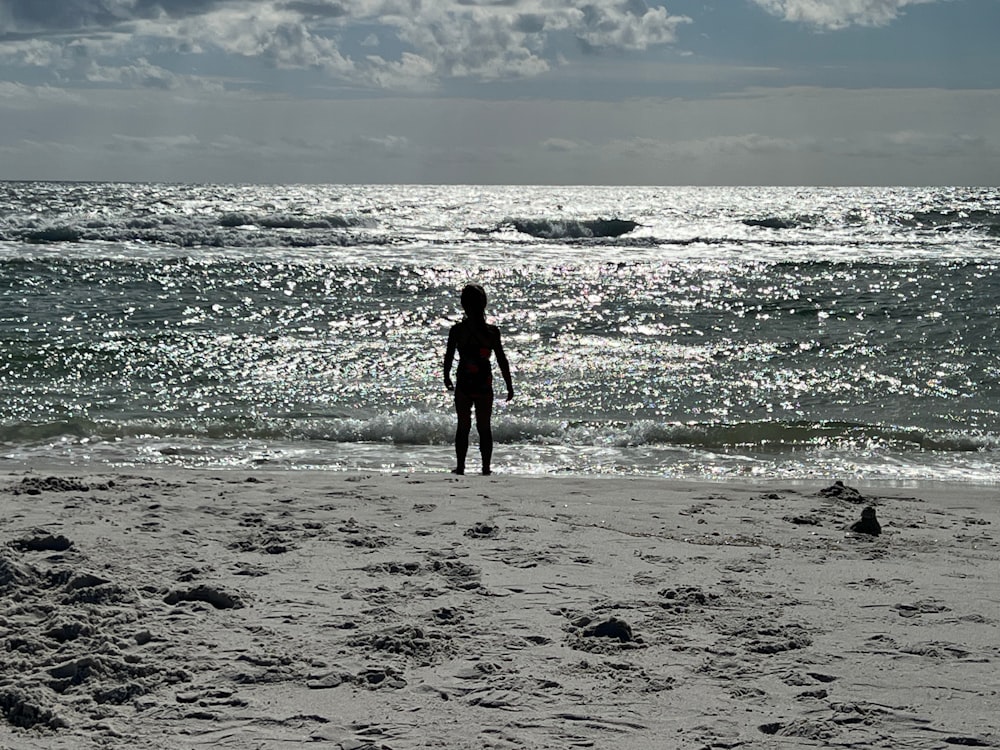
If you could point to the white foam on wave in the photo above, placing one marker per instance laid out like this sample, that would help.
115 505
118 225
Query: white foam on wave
422 441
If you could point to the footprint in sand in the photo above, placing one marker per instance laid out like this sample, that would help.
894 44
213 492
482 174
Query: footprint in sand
777 639
394 568
372 678
459 574
809 730
483 531
425 646
364 537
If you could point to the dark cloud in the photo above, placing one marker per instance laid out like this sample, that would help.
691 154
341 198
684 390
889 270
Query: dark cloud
62 14
68 15
530 23
178 8
490 3
317 9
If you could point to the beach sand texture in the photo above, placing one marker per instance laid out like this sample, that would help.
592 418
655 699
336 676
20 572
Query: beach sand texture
190 609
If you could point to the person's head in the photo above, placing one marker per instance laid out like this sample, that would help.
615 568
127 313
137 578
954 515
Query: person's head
474 301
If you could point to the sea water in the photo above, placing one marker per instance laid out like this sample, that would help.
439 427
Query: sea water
731 332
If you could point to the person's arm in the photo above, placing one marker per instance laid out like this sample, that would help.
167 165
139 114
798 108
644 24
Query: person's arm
504 365
449 357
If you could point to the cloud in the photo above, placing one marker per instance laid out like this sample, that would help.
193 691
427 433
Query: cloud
913 144
278 37
153 144
57 15
411 72
838 14
430 41
516 39
51 16
906 144
141 74
715 146
797 136
317 9
559 145
473 42
19 96
37 150
627 26
30 52
389 145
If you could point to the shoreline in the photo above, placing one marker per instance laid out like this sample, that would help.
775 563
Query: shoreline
94 467
160 607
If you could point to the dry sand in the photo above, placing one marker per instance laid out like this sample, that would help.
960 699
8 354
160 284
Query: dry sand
191 609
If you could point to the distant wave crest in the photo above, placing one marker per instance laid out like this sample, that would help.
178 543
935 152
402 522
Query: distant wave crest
232 234
233 229
772 222
53 234
562 229
288 221
931 220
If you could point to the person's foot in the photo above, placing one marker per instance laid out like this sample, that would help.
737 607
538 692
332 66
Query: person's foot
458 471
486 471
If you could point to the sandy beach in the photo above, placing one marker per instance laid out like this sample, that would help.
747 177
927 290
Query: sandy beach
274 609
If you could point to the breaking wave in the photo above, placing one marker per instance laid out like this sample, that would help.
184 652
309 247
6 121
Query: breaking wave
937 221
415 427
284 221
235 229
563 229
772 222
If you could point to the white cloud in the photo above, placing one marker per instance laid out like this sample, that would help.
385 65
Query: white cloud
19 96
279 37
141 73
434 41
559 145
411 72
514 39
839 14
391 145
626 26
30 52
471 42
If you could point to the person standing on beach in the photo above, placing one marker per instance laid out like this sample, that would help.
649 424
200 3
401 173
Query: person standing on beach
474 340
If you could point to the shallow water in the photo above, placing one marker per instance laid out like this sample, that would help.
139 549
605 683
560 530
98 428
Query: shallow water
734 332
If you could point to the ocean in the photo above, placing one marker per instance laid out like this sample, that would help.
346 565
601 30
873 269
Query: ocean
785 333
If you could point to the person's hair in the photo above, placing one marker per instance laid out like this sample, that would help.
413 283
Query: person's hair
474 301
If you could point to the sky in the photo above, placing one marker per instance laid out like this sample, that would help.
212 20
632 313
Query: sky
606 92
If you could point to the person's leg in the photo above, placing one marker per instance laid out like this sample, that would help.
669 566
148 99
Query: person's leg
463 409
484 410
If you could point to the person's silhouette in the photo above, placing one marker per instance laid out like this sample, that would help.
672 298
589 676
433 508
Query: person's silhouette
474 340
